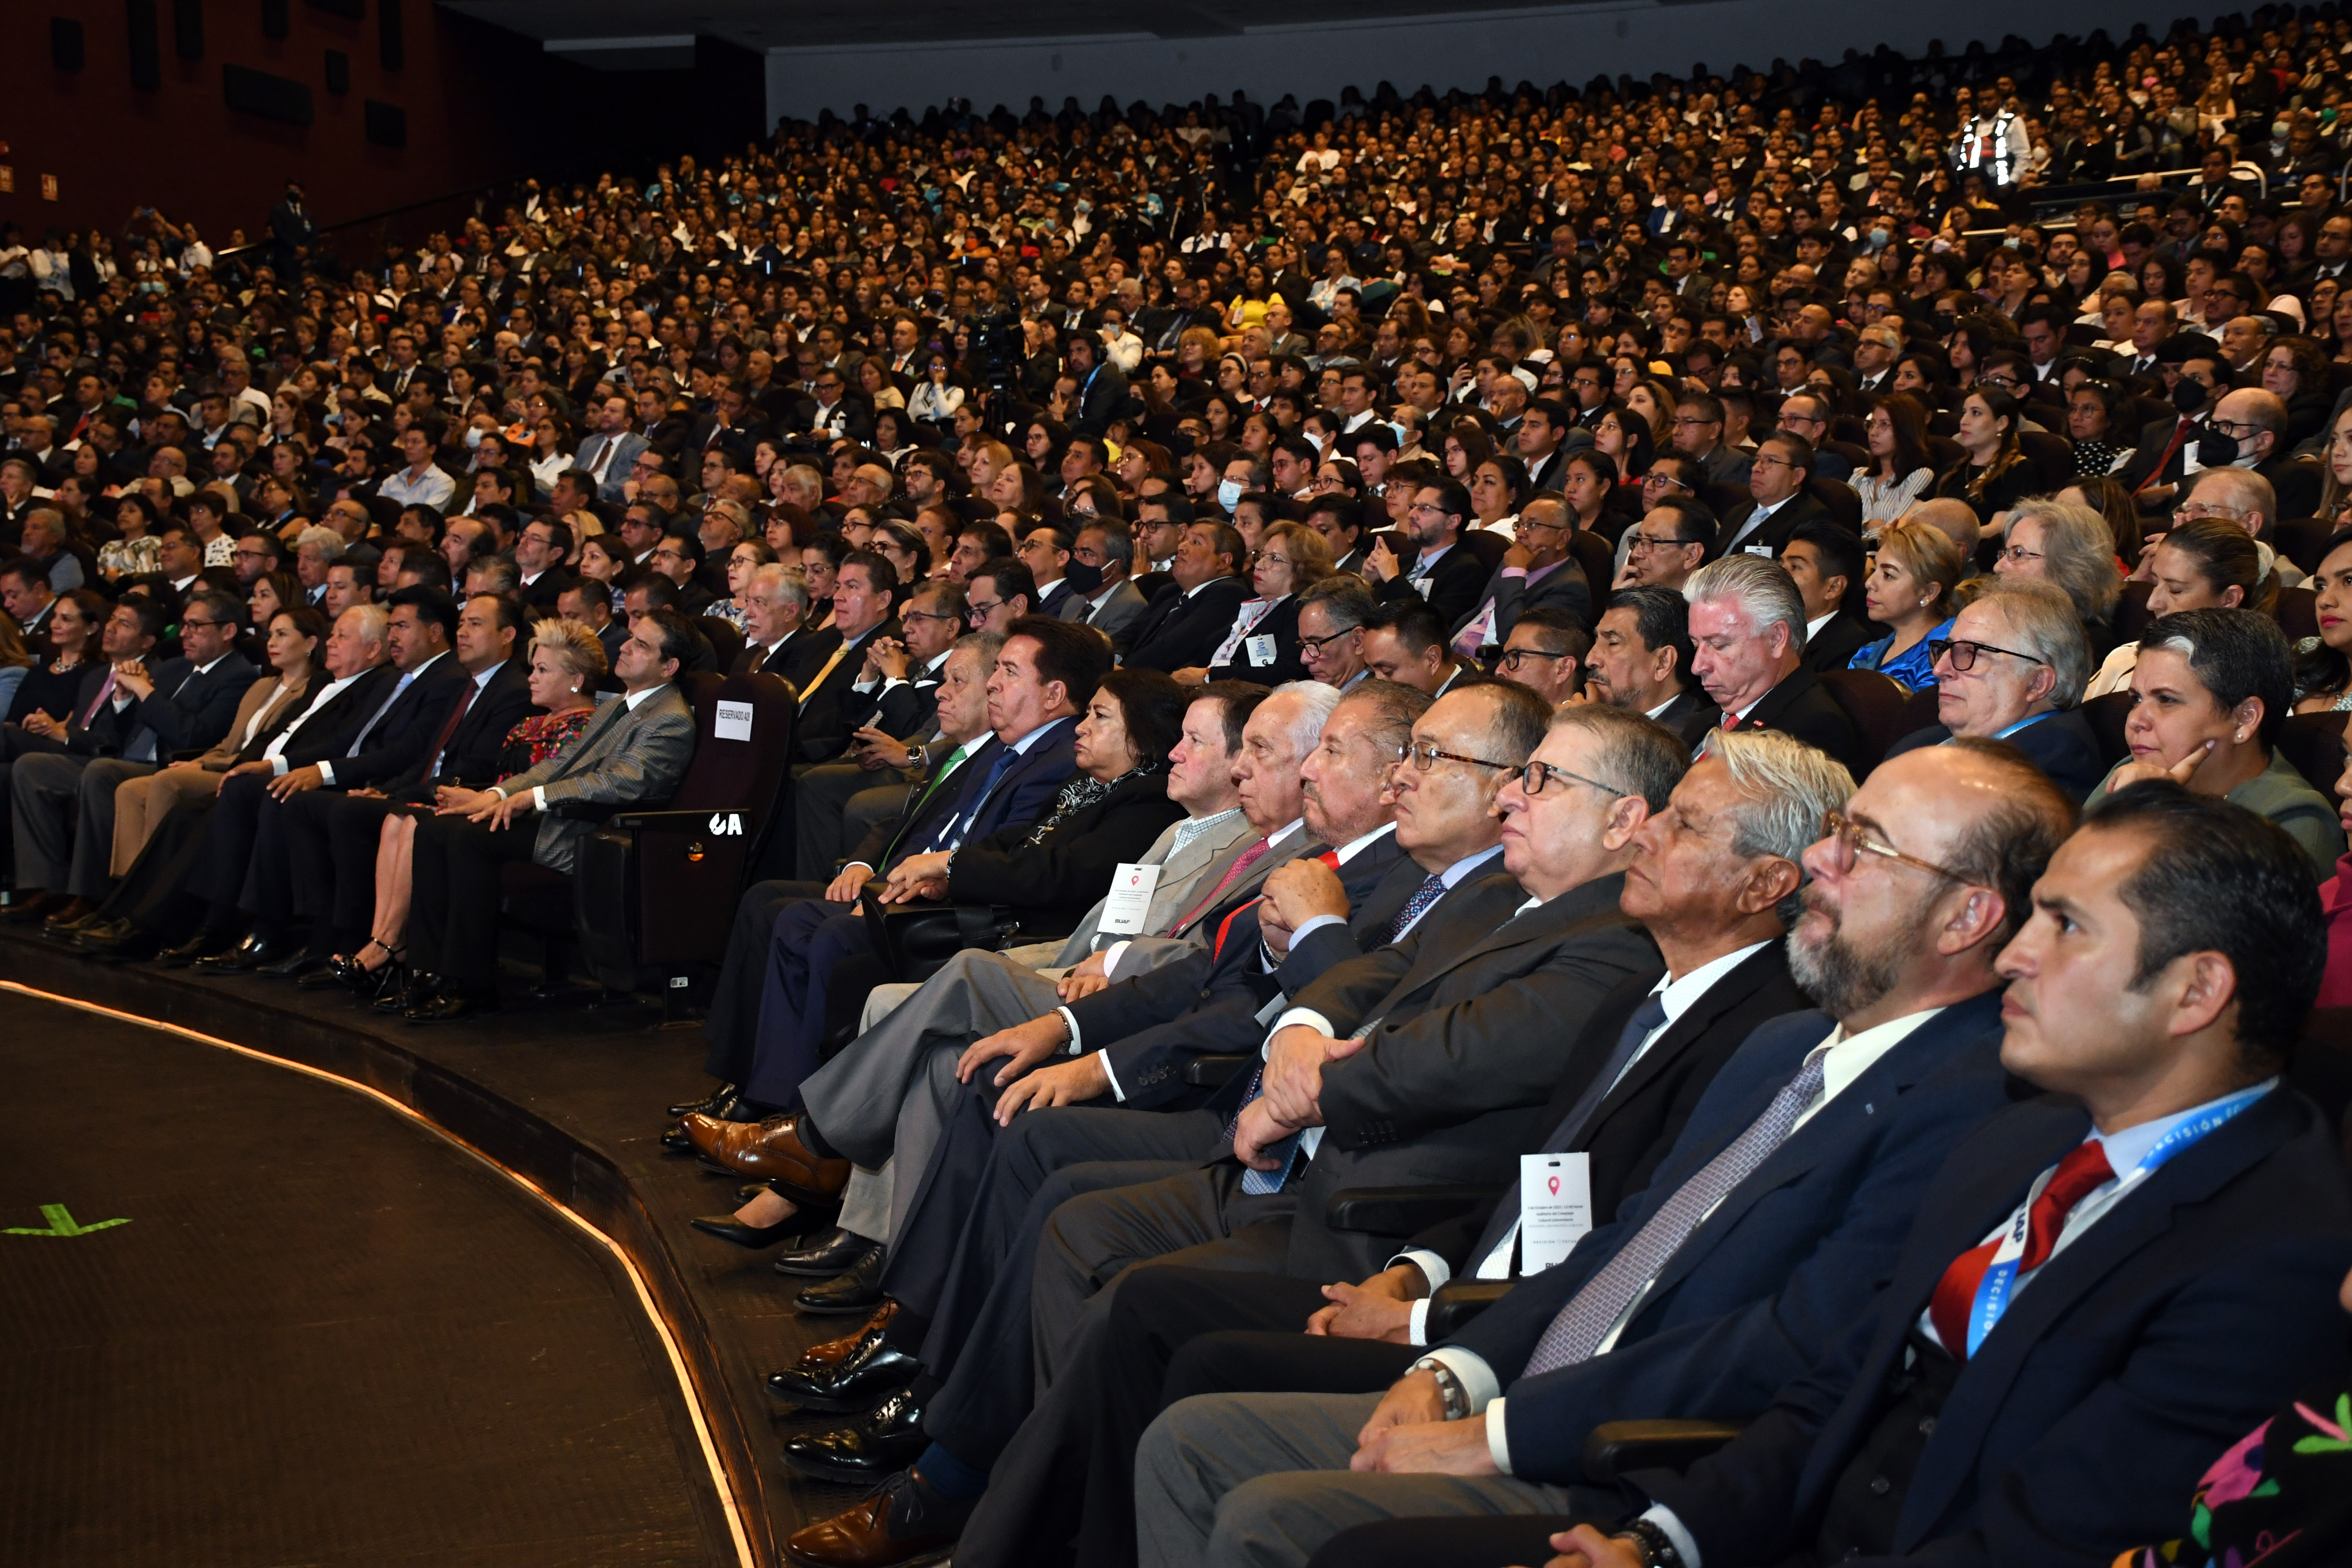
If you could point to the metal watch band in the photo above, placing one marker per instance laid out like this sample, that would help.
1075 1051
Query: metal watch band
1657 1547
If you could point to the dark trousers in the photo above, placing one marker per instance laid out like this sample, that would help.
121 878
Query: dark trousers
330 844
1172 1332
811 938
16 741
1494 1541
964 1257
453 914
232 850
730 1026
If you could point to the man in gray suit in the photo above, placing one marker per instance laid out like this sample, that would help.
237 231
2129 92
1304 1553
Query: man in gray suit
635 750
887 1095
1112 609
606 456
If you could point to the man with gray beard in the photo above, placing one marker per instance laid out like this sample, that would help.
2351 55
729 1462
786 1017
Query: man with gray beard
1763 1234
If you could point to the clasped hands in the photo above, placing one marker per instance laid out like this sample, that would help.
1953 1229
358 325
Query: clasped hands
482 805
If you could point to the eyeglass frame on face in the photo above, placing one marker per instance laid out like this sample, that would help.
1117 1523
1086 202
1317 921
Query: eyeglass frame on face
977 613
1423 756
2201 510
1534 775
1315 645
1654 478
1641 543
1838 829
927 616
1938 648
1512 656
2019 552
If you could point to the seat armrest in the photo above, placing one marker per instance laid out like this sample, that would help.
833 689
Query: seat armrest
1459 1300
586 810
1400 1211
1210 1071
660 821
1616 1449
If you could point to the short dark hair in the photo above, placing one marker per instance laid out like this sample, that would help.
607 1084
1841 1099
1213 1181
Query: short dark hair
1693 524
678 637
1519 721
2234 655
1151 705
434 605
1416 626
1009 577
1078 656
2221 879
1563 631
879 571
227 608
992 536
508 609
1236 701
1662 617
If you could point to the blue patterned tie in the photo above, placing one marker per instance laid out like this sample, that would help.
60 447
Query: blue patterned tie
1428 893
951 836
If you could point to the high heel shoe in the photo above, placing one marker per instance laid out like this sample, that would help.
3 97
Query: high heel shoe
356 975
727 1227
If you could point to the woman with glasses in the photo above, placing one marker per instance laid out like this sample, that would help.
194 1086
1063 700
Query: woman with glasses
1900 472
1992 475
1262 644
2098 419
2071 546
1909 590
2205 564
2294 371
2208 694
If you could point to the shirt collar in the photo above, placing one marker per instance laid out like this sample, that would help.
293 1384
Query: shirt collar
1452 877
2127 1148
1851 1056
636 699
1355 847
1676 994
1029 739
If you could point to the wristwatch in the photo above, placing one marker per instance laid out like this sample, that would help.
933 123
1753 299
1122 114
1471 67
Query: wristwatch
1657 1547
1449 1386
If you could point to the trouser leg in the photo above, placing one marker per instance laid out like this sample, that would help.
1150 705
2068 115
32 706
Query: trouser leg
45 789
91 874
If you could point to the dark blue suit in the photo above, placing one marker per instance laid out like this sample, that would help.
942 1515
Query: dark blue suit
2061 745
1780 1268
812 935
2152 1342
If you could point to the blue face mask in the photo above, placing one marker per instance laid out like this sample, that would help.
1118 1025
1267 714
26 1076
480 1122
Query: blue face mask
1229 494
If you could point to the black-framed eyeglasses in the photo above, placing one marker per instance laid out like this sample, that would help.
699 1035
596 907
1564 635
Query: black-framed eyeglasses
926 615
189 626
1316 645
1535 775
1849 840
1423 756
978 613
1512 658
1963 653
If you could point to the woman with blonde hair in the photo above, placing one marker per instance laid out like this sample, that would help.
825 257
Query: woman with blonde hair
1909 589
566 662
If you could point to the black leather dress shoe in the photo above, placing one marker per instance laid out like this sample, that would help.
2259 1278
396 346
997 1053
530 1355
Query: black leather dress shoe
890 1440
248 955
447 1005
294 966
115 938
874 1369
675 1139
322 978
419 989
204 944
857 1291
829 1252
727 1227
709 1103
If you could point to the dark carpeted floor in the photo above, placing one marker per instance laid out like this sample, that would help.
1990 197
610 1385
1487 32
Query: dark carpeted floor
327 1336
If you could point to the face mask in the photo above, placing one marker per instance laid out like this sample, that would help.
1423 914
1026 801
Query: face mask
1084 579
2188 396
2214 447
1229 494
473 439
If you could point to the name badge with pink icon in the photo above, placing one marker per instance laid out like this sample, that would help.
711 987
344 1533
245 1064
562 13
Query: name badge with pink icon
1555 1207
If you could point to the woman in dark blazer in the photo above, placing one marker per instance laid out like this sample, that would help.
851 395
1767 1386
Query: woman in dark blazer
1263 646
1051 872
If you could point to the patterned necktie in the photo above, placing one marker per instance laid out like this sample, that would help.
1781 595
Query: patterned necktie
98 703
1570 1129
1581 1327
1730 719
2082 1172
1241 863
1428 893
952 836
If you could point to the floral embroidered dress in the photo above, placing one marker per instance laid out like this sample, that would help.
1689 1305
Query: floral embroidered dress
2282 1497
539 737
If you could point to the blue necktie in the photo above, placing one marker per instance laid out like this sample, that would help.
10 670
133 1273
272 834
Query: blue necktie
951 835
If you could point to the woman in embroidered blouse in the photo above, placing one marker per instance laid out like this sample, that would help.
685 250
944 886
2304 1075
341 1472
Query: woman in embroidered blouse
138 552
566 663
1910 589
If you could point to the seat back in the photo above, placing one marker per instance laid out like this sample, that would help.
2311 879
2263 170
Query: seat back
1839 500
2302 540
1877 706
726 642
1597 560
2052 458
2313 744
1487 547
2105 715
2298 614
2132 614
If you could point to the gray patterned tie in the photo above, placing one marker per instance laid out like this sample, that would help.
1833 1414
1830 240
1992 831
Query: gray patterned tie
1577 1332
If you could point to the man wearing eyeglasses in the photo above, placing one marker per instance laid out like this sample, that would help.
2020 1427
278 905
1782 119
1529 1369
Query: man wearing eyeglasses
1536 573
1445 577
1669 544
1545 653
2014 670
1699 433
1777 501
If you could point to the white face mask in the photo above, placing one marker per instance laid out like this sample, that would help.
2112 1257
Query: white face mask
1229 494
473 439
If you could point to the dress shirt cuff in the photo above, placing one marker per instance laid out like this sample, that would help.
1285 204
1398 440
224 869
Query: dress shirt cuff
1433 1268
1117 1093
277 767
539 797
1518 572
326 771
1498 1437
1306 1016
1678 1532
1112 954
1417 1329
888 685
1070 1022
1317 923
1310 1140
1478 1379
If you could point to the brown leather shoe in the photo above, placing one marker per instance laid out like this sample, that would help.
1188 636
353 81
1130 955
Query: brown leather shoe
771 1151
818 1357
903 1524
77 912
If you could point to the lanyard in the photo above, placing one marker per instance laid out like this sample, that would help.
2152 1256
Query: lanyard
1997 1287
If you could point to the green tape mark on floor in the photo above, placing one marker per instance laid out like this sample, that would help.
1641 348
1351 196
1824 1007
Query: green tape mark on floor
62 1222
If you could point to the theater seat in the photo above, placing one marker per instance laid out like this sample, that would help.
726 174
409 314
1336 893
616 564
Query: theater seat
2298 614
2313 744
726 642
2105 715
2322 1066
1400 1211
2052 458
1616 1449
2302 540
1877 706
1593 554
655 888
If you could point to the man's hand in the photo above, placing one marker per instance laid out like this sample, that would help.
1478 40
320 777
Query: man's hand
500 814
889 657
875 749
916 876
844 888
1294 1073
1411 1401
1027 1044
1428 1448
1257 1131
1073 986
132 676
296 781
1379 1309
1064 1083
1299 890
450 800
1381 561
1585 1547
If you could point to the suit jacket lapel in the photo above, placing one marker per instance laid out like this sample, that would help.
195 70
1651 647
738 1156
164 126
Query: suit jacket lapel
1732 990
1545 923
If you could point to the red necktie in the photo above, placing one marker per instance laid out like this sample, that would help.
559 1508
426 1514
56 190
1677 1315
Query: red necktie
1730 719
2082 1172
456 716
2180 440
1330 858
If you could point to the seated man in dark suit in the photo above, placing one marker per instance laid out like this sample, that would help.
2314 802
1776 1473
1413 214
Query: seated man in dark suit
1641 661
1537 573
63 801
1761 1236
1442 575
1776 501
1706 880
332 834
2014 670
1182 627
540 555
830 708
634 752
777 639
1826 563
1748 653
2107 1286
